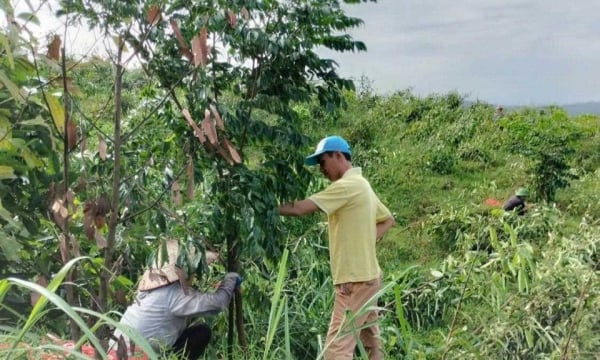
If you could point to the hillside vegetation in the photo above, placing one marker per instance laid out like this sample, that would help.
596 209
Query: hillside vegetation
101 161
463 280
476 282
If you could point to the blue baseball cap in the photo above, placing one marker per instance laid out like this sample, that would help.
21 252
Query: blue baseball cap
330 143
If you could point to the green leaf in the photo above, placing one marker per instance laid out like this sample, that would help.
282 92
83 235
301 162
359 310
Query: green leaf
57 111
29 17
4 287
10 247
12 88
30 158
48 294
7 172
6 215
277 305
7 50
33 122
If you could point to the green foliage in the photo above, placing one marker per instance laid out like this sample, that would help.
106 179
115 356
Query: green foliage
466 282
549 139
440 161
464 229
580 199
29 141
551 173
48 296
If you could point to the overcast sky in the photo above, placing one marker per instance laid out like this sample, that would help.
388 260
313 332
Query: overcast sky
525 52
505 52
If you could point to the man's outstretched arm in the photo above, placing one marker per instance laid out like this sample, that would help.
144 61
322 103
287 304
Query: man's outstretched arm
298 208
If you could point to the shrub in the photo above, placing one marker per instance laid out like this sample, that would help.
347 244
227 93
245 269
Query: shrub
440 161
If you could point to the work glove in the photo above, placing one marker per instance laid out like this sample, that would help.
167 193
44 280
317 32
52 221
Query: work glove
234 278
238 282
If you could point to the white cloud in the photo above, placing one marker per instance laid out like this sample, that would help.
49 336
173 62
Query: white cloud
501 51
510 51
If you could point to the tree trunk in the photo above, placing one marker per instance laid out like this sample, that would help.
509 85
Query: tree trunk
236 312
239 314
72 275
115 198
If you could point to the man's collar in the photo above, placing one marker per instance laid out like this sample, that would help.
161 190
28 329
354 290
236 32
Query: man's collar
352 172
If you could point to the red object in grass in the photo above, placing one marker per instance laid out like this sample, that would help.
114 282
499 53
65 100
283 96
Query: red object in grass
493 202
27 351
89 351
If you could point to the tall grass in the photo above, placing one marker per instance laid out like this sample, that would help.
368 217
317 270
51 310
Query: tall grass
49 300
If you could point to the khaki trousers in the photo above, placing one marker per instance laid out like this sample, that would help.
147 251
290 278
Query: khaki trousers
351 297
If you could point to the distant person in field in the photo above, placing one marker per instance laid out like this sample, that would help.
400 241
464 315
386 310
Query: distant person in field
517 201
499 113
164 304
357 219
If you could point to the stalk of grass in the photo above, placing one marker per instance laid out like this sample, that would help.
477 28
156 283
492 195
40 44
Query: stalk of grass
61 304
37 312
575 318
278 303
49 295
288 348
405 329
458 309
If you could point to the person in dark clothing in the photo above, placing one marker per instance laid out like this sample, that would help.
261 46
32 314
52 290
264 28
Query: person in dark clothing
517 201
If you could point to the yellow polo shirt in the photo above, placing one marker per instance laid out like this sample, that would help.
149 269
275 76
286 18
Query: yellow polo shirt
353 211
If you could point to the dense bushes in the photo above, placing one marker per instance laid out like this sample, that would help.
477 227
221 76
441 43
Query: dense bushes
469 282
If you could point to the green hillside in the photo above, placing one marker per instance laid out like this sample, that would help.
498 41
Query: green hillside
435 161
103 161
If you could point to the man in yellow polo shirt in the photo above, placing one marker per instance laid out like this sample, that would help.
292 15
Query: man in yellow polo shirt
357 219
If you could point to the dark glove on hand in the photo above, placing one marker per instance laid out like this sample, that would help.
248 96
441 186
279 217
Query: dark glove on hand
238 281
235 278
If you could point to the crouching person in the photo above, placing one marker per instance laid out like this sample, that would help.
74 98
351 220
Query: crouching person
164 305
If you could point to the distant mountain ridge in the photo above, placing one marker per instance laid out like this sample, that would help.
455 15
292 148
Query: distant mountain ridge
574 109
591 107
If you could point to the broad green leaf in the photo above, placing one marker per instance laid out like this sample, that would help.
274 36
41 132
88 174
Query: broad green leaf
57 111
29 17
9 246
20 146
4 129
7 216
30 158
4 123
12 88
4 287
6 172
4 45
32 122
6 144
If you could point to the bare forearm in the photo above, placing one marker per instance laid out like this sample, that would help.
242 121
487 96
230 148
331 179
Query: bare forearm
288 209
384 226
297 208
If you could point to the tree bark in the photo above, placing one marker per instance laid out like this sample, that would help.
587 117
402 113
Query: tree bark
115 198
72 275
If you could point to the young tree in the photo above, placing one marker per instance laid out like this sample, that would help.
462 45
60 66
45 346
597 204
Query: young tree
234 71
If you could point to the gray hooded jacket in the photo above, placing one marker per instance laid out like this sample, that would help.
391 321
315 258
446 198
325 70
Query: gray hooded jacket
161 315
